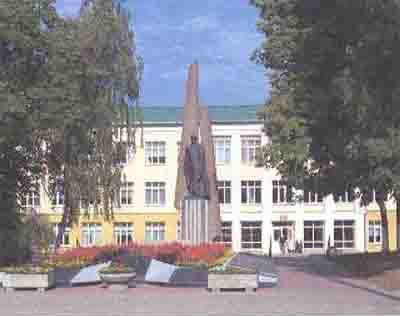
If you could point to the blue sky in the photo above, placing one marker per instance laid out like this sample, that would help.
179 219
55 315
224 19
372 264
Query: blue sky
170 34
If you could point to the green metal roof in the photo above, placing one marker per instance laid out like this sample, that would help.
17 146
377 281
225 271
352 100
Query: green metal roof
218 114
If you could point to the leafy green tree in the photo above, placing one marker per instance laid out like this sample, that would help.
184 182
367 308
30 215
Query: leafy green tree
103 75
24 29
332 118
64 85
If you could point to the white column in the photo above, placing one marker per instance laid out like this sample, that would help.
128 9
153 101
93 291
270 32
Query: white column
329 211
267 210
236 191
299 225
361 233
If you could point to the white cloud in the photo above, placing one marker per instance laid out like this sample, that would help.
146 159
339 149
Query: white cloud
200 23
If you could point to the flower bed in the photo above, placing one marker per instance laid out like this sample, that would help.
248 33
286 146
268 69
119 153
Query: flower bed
138 256
171 253
231 270
27 269
117 267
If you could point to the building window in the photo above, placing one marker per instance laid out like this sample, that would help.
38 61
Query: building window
374 232
251 192
89 203
371 196
121 153
251 235
250 147
123 233
313 234
155 193
226 230
32 198
58 197
155 231
222 146
91 234
224 192
126 193
281 192
344 196
155 153
65 240
344 234
312 197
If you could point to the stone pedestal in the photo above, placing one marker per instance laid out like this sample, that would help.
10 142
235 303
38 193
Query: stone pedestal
194 220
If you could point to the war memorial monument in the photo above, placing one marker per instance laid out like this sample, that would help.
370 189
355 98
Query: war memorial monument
196 187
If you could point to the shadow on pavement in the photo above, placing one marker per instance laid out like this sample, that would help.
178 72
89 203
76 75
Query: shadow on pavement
320 266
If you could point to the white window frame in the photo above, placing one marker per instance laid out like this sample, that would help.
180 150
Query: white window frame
252 227
312 197
375 227
222 149
91 234
157 193
250 148
251 187
32 198
122 232
342 226
223 188
65 237
155 231
58 199
226 233
126 156
345 196
155 153
314 225
283 193
126 193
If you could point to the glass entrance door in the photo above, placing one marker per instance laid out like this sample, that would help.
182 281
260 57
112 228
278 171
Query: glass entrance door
283 232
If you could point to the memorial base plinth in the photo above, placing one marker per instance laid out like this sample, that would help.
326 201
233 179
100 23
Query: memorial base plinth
194 220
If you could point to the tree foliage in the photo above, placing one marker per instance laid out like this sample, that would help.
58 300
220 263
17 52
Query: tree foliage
332 117
64 85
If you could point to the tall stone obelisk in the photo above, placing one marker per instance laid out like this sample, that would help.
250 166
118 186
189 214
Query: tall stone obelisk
200 216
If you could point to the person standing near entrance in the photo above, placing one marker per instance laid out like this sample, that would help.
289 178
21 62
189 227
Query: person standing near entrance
290 242
282 243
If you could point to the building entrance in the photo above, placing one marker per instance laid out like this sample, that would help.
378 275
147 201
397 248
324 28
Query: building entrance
283 237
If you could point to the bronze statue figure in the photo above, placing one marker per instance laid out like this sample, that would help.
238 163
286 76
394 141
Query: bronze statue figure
195 169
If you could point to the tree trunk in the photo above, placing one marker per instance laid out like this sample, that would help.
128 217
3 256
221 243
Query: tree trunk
384 221
397 222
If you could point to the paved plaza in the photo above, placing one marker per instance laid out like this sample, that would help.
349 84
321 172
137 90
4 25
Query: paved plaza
303 289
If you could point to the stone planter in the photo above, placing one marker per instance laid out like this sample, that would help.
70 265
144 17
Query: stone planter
216 282
118 281
41 282
2 277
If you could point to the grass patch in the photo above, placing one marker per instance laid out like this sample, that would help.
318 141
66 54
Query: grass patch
367 264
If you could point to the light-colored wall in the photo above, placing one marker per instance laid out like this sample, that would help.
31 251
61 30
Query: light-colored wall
137 171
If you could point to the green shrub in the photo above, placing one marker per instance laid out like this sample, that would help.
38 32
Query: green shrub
17 242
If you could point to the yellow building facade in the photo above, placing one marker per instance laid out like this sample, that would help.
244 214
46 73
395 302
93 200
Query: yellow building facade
374 222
